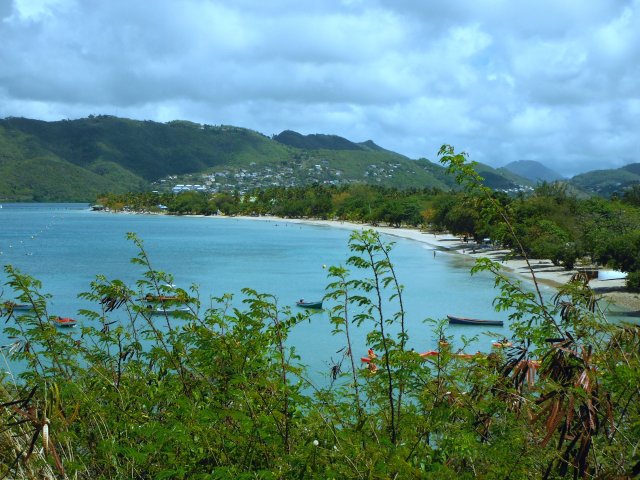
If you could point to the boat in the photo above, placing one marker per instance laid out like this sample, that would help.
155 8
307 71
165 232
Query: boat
316 305
13 306
64 322
590 272
611 275
473 321
430 353
162 298
166 311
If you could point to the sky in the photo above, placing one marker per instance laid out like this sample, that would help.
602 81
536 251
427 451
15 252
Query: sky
557 81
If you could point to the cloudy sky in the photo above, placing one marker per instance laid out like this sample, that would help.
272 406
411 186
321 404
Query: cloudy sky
551 80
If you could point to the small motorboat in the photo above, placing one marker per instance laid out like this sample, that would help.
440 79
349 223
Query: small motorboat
64 322
304 304
473 321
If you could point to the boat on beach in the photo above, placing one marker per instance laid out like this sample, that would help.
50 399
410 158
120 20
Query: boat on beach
64 322
473 321
611 275
304 304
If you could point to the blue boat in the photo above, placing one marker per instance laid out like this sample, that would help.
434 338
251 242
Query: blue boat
315 305
473 321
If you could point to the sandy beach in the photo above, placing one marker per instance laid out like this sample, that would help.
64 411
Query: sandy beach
611 291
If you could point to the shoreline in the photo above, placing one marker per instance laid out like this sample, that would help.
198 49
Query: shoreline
609 292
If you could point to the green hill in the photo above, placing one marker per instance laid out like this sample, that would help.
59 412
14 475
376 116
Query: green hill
607 182
74 160
150 150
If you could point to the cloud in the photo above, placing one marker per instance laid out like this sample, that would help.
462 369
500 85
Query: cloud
555 81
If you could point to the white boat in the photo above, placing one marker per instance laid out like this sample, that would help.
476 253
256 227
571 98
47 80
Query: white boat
611 275
160 310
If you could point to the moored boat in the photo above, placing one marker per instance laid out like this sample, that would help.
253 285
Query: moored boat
13 306
163 298
302 303
64 322
430 353
502 344
473 321
166 311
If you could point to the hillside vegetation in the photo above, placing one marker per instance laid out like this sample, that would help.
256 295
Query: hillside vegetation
73 160
608 182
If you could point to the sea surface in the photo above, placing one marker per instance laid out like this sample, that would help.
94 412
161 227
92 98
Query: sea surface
66 245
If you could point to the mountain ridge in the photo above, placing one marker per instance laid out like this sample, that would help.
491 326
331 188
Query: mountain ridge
74 160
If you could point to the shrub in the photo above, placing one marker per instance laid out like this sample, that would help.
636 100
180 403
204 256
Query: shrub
633 281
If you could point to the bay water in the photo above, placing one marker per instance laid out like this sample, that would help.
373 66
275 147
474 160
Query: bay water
66 245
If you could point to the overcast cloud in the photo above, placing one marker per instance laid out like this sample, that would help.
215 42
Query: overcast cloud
551 80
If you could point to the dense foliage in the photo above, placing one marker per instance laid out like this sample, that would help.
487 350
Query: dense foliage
217 392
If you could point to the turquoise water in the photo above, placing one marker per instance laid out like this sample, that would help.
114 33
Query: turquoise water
66 246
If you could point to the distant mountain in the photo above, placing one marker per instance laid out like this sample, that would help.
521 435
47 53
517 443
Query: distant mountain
75 160
607 182
534 171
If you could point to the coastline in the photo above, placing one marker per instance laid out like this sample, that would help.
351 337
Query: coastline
609 291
